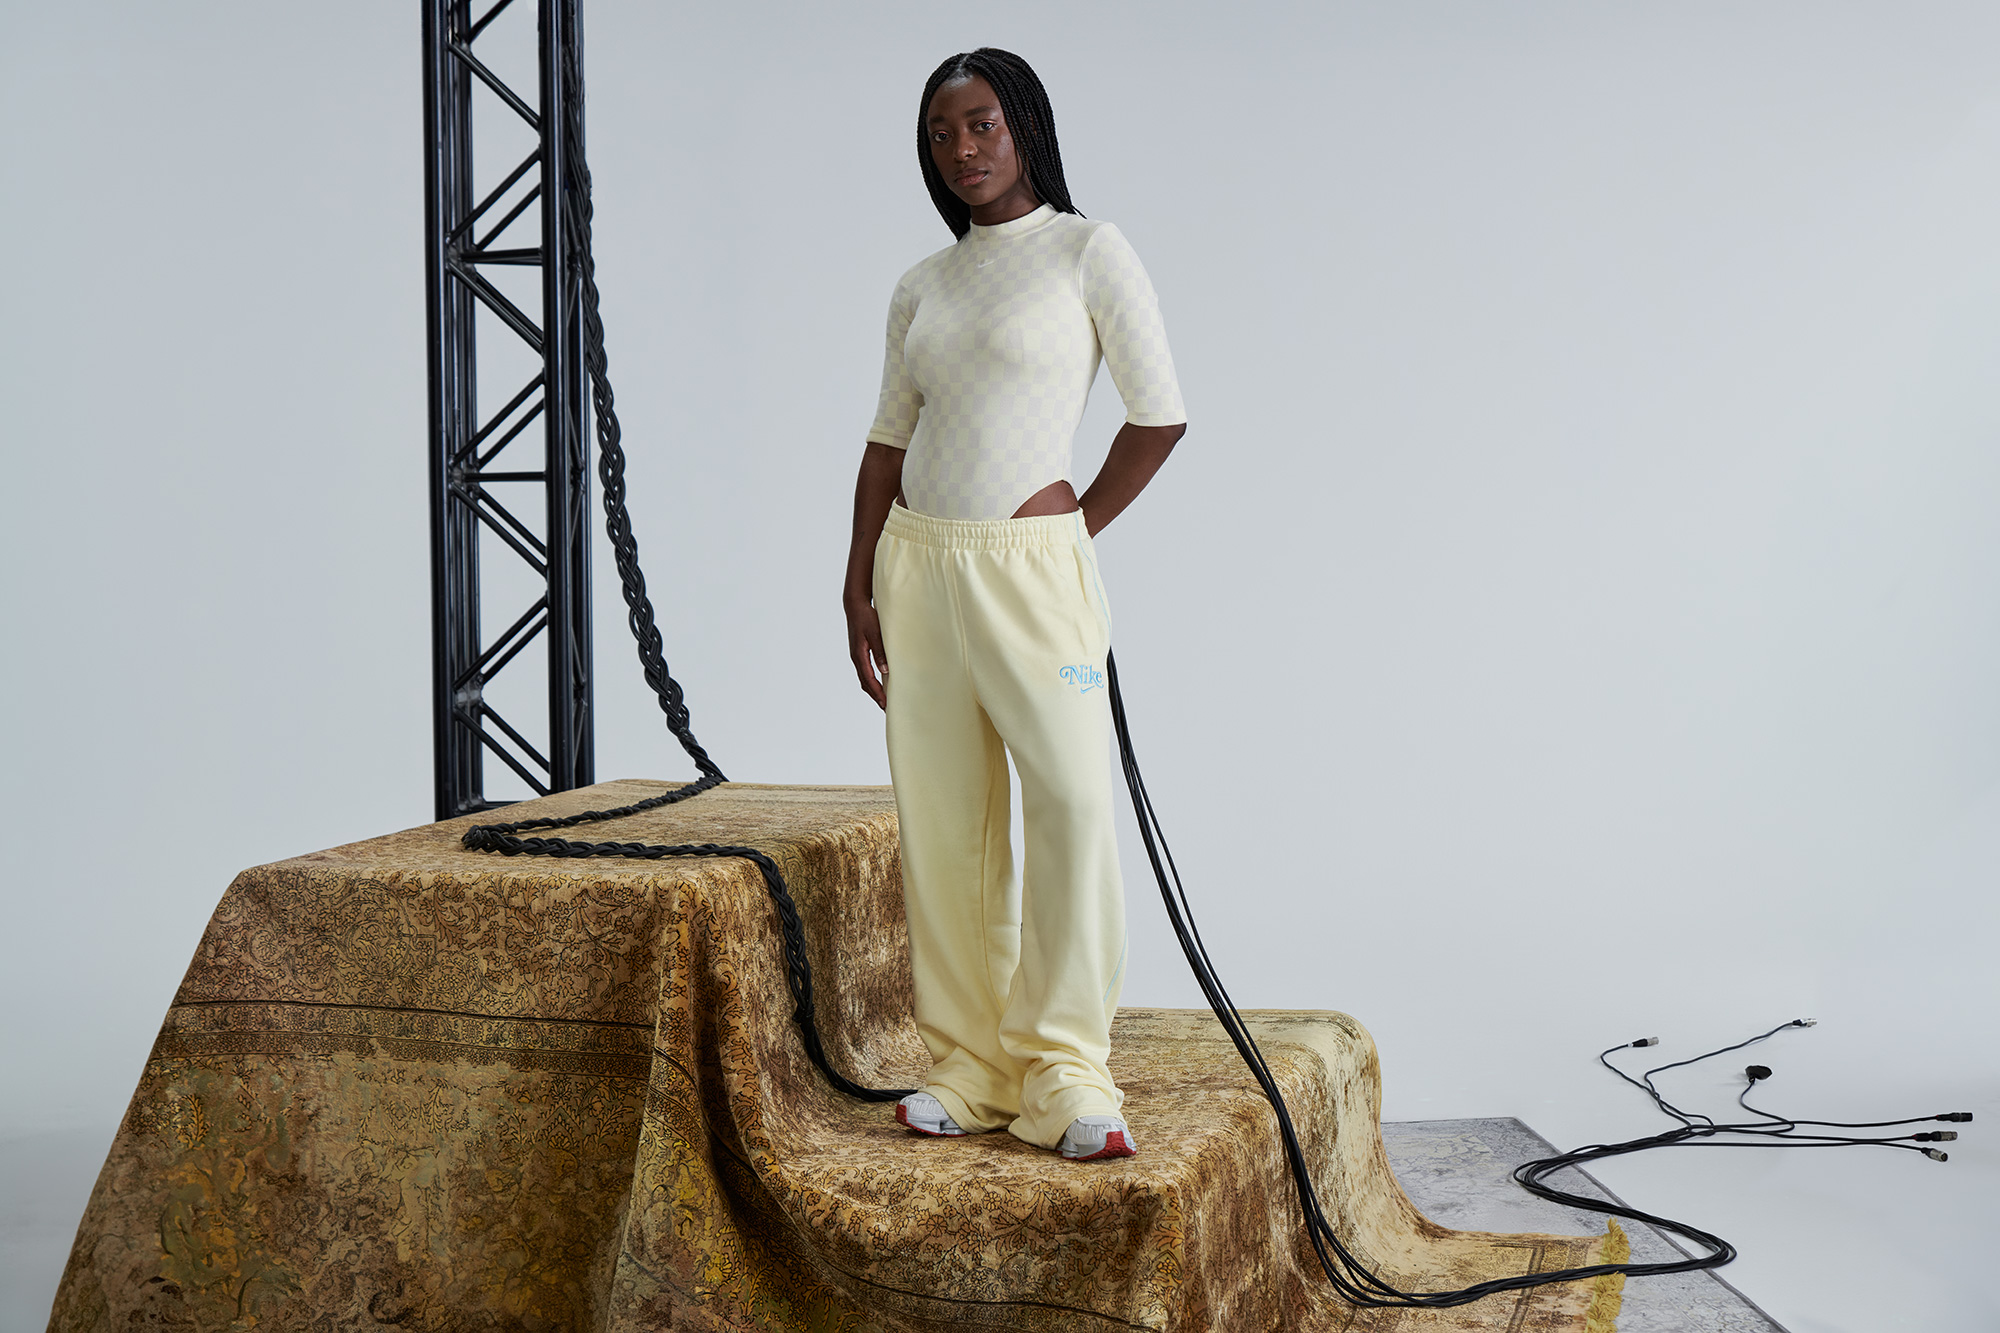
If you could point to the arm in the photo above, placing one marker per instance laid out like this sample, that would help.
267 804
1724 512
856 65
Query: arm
874 491
1126 313
1136 454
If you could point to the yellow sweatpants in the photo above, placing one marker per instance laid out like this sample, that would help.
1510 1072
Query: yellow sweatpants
995 632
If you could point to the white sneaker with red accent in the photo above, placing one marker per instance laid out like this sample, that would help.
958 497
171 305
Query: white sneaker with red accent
926 1115
1090 1137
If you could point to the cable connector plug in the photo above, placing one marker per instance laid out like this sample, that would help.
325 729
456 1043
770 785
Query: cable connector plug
1805 1022
1954 1117
1937 1156
1937 1136
1647 1041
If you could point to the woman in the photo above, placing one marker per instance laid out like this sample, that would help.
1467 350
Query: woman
973 580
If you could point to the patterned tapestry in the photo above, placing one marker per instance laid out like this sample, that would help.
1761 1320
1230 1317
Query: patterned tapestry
409 1086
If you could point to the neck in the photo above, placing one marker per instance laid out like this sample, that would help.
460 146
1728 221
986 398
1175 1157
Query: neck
1016 203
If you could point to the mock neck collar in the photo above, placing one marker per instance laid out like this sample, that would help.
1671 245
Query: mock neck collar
1027 222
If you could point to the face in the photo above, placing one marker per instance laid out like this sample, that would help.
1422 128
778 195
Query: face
974 152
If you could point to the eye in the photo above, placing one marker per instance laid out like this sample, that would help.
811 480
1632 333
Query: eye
986 124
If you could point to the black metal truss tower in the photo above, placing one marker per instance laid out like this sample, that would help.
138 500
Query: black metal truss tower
485 473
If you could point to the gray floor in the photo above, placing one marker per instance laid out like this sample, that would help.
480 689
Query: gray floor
1455 1170
44 1181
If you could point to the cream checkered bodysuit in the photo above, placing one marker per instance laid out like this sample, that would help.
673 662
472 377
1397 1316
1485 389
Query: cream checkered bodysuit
996 630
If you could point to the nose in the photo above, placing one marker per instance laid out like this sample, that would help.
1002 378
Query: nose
963 147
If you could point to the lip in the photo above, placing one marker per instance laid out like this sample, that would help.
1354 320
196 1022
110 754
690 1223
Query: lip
969 178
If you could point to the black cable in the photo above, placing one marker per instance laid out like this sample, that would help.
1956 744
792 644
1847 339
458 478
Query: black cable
1662 1102
1954 1116
1346 1274
1742 1100
798 972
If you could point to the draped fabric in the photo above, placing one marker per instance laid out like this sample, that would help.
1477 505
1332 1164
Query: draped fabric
409 1086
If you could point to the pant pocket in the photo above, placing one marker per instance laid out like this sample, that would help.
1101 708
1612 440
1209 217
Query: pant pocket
1091 584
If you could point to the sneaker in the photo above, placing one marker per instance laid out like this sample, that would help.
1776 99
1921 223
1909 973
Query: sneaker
1090 1137
926 1115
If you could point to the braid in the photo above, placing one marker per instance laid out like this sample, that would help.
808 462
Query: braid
1024 105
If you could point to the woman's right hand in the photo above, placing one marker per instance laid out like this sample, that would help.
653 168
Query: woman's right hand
875 488
864 645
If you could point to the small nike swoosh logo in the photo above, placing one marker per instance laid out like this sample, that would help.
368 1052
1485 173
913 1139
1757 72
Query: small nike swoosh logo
982 263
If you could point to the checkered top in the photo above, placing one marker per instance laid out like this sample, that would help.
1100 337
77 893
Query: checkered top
993 345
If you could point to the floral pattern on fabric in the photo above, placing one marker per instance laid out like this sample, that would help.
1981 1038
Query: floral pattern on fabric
408 1086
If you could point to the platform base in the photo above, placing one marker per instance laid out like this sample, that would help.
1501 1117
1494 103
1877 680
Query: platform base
409 1086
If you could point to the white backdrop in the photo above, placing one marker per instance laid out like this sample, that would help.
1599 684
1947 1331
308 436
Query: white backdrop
1570 616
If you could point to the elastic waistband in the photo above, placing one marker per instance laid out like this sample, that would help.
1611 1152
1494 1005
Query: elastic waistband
985 534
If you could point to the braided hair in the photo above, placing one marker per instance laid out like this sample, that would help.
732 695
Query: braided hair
1024 105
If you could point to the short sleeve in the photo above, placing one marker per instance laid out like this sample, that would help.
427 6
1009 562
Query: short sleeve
896 410
1126 311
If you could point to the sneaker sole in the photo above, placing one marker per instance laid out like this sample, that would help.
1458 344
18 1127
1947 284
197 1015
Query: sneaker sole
1115 1145
903 1119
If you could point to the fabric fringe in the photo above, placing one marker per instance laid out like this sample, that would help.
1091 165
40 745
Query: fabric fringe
1602 1317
